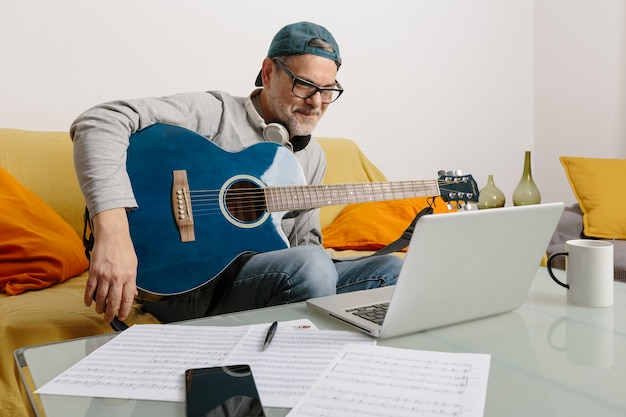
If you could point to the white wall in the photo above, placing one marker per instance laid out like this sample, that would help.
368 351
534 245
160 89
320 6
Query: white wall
580 86
430 84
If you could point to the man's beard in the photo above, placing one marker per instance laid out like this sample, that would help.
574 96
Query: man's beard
297 128
286 115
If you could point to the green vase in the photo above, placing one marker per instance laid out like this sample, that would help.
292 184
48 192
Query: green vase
490 196
526 191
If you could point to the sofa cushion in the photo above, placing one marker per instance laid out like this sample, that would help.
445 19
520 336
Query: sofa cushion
597 185
42 161
37 247
371 226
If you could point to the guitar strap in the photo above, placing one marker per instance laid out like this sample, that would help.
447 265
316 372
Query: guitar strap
403 241
398 244
88 238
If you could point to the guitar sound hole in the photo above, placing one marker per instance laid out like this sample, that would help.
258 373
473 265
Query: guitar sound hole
245 201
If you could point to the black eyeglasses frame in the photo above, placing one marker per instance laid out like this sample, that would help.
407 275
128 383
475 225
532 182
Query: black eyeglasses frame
316 88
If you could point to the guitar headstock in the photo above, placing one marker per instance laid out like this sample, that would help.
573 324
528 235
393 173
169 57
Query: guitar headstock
459 188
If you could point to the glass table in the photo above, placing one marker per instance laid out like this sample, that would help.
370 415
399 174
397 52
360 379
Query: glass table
548 358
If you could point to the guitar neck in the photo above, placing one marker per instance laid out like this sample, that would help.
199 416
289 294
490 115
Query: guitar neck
289 198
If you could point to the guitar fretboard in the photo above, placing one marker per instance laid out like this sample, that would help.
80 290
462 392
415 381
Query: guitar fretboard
314 196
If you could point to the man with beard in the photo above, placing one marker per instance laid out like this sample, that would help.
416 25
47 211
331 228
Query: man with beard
297 83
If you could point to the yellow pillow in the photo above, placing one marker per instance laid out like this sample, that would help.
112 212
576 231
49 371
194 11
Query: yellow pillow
598 185
371 226
37 247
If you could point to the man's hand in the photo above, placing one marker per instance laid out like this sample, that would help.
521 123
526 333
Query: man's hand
113 266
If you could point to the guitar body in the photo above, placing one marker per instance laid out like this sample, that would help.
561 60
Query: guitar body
168 265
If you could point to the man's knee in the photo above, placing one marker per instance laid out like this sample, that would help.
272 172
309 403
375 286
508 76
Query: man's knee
314 273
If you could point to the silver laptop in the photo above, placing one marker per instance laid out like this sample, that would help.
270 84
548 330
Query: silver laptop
459 266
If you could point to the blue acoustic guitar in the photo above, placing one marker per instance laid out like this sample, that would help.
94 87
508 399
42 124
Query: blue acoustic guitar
197 212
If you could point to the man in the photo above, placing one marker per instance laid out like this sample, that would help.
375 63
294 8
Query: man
297 84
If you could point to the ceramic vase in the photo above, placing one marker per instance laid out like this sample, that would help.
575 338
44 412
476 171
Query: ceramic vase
526 191
490 196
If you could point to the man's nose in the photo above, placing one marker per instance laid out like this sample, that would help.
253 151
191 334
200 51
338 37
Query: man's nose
316 99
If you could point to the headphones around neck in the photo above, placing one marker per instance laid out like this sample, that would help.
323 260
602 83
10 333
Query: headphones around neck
273 132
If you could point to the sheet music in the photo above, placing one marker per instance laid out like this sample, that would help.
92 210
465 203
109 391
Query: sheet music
375 381
293 361
148 361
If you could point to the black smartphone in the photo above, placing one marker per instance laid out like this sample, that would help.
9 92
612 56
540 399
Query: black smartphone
222 391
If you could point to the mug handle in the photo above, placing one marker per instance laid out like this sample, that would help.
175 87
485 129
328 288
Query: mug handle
550 332
549 265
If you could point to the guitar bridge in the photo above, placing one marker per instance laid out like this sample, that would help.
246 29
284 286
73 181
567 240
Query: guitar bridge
181 206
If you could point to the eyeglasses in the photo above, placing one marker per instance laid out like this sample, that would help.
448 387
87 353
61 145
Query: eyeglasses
305 89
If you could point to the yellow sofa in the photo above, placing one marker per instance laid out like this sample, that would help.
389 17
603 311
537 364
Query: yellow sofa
42 162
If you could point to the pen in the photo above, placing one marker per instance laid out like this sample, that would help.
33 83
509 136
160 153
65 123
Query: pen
270 335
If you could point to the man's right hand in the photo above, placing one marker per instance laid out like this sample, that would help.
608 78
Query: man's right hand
113 266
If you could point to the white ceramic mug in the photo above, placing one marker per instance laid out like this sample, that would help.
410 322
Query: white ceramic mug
588 272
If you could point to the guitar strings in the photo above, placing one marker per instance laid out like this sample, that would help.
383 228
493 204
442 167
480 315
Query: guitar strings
385 187
253 200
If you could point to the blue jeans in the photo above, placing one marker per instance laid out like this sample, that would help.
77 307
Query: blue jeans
281 277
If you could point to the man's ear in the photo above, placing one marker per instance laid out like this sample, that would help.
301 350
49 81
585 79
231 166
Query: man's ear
266 71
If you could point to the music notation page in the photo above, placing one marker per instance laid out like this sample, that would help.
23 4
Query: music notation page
376 381
292 362
148 361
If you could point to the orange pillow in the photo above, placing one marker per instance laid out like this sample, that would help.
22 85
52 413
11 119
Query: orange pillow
371 226
37 247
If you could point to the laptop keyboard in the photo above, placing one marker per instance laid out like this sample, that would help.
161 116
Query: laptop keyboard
374 313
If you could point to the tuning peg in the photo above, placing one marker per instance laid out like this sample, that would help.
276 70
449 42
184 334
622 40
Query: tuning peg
456 173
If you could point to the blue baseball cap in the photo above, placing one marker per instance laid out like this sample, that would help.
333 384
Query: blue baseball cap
294 39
